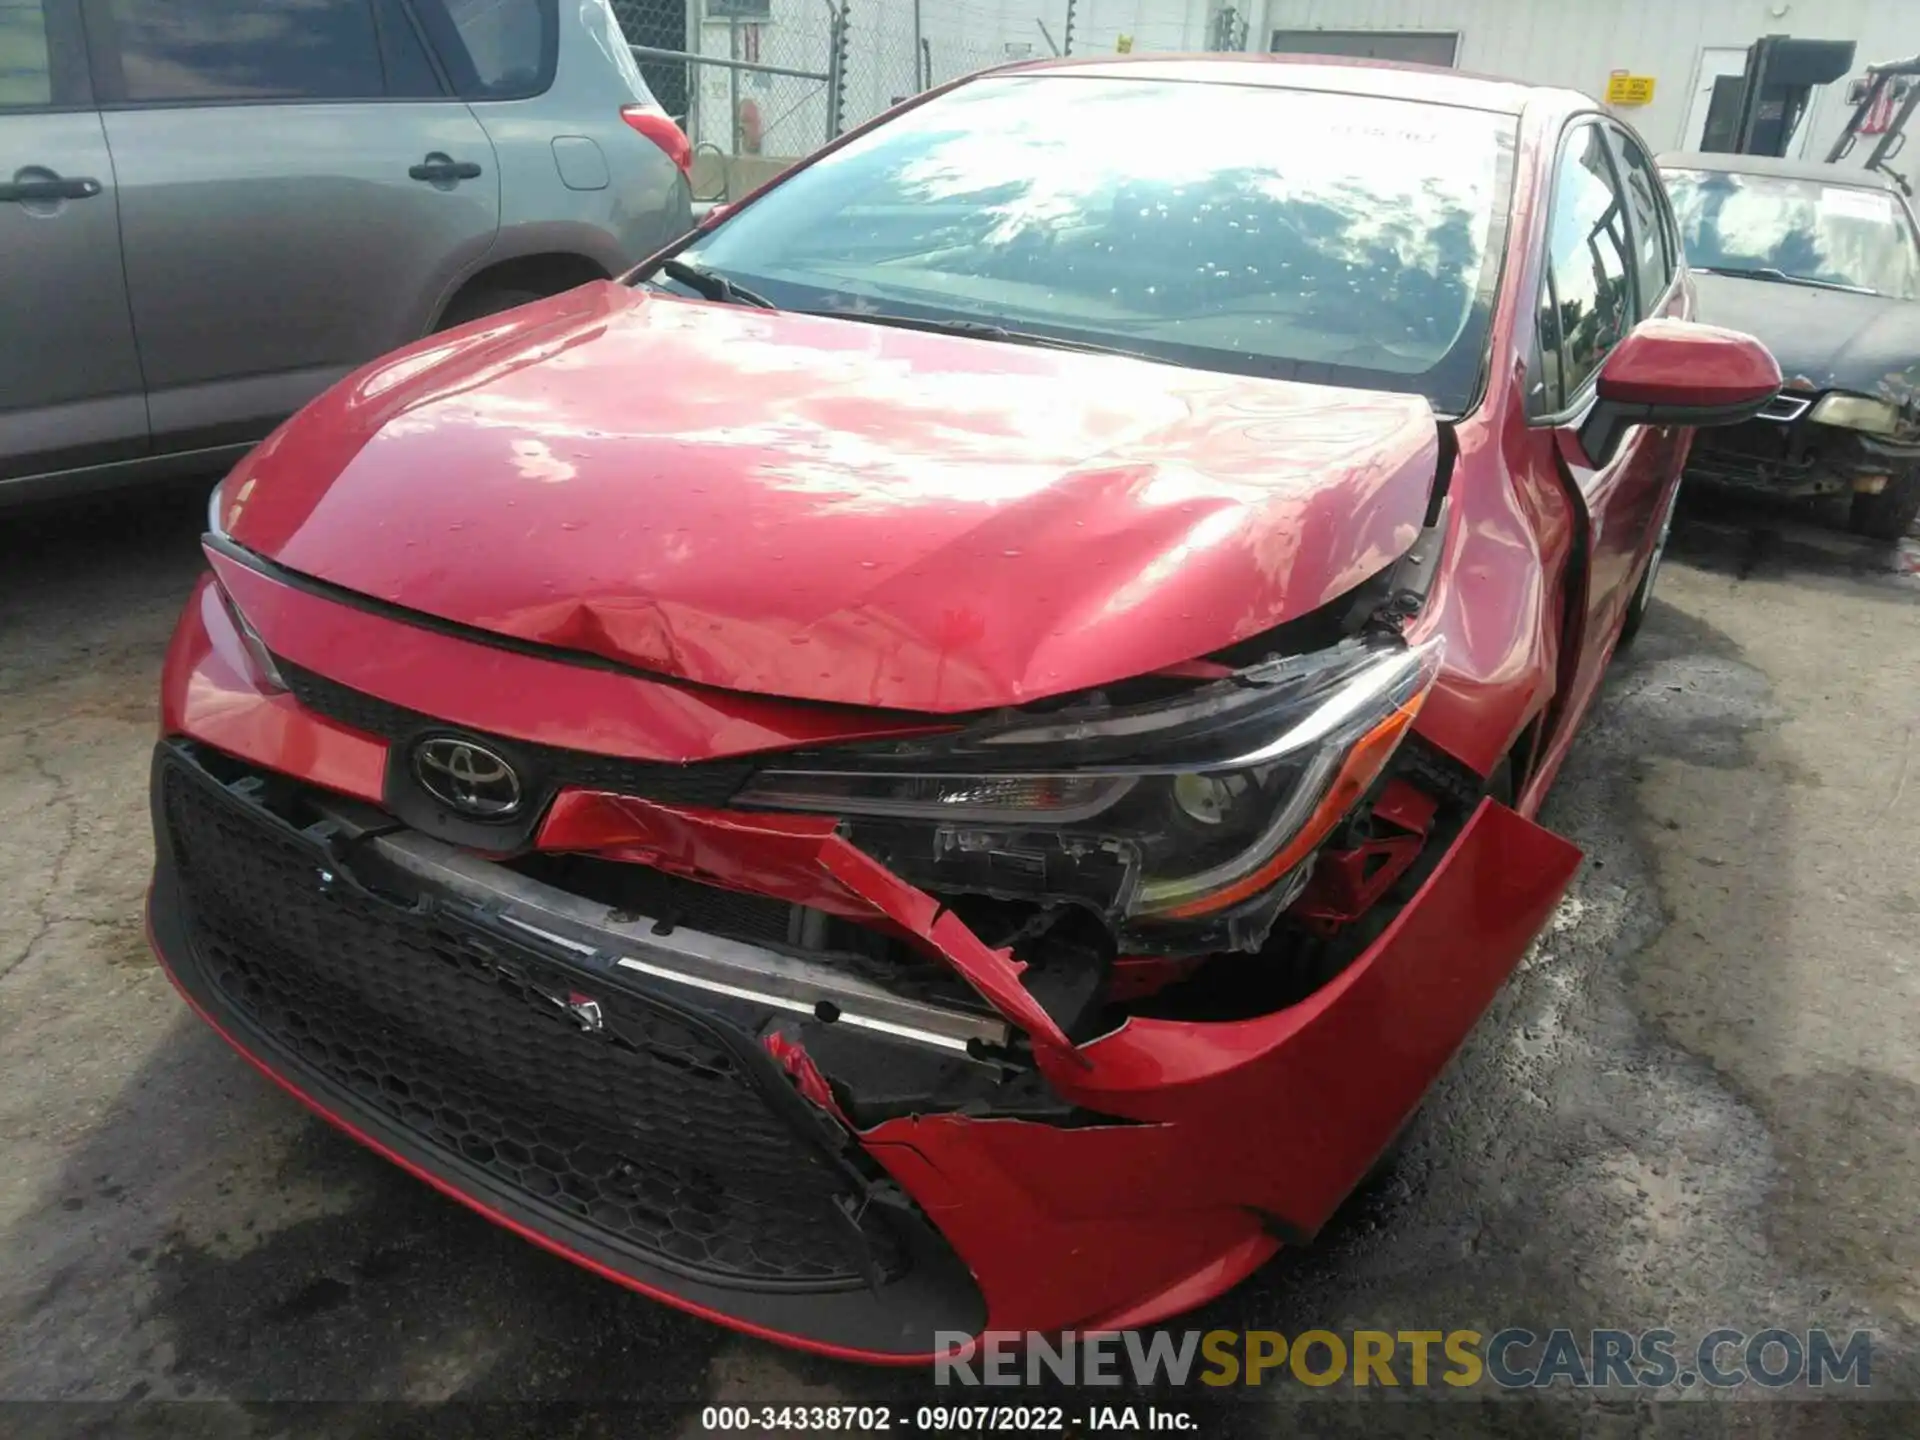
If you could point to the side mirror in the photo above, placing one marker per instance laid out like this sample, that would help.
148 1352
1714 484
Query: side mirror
1674 372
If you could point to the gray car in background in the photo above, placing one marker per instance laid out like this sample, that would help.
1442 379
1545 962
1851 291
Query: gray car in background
210 210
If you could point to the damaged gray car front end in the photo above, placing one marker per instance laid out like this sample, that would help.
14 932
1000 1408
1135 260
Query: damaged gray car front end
1823 264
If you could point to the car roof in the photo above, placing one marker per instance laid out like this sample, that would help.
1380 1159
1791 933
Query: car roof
1385 78
1771 165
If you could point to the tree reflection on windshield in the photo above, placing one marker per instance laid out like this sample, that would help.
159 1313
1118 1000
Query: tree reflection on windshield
1803 229
1322 236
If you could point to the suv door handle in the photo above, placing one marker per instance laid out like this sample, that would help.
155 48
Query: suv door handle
51 187
441 168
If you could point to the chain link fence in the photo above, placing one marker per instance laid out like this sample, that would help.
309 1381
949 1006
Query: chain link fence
757 84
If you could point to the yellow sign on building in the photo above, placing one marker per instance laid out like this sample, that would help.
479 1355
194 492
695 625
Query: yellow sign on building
1123 44
1625 89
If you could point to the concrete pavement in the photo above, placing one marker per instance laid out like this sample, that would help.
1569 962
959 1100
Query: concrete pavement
1696 1105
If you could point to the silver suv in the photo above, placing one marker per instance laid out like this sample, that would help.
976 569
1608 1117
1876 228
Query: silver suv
212 209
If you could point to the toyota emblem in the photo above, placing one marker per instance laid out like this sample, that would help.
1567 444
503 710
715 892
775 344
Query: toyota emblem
467 777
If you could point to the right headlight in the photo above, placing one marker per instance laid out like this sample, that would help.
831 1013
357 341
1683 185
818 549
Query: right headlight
1158 813
219 516
225 504
265 670
1858 412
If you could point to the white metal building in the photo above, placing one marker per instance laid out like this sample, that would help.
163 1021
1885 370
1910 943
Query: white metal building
1681 46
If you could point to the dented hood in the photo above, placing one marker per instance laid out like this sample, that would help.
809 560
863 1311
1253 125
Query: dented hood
827 510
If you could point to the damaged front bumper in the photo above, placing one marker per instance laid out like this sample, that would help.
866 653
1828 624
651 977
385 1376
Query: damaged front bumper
1785 453
853 1153
661 1106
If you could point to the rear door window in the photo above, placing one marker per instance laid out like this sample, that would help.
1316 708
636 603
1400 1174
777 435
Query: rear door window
186 51
410 72
26 64
494 49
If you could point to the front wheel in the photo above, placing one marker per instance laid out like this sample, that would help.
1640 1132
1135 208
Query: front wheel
1643 594
477 304
1890 514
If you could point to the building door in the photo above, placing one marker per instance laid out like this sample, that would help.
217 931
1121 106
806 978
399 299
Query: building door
1713 113
1422 47
1714 110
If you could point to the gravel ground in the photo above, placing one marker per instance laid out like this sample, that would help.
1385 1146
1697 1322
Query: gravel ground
1694 1106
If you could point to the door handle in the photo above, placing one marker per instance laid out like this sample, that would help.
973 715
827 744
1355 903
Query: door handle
49 188
440 169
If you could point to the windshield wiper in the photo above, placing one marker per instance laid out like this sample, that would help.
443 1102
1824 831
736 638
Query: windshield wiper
1781 277
712 285
982 330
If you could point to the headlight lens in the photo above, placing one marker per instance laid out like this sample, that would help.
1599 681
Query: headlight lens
219 515
1164 812
1858 412
224 508
265 670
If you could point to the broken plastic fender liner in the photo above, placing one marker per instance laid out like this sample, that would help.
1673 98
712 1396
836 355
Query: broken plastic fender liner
799 859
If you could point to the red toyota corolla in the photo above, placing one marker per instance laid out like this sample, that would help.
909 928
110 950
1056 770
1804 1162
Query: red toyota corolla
960 752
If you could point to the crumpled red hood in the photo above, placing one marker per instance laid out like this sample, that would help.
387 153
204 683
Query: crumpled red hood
828 510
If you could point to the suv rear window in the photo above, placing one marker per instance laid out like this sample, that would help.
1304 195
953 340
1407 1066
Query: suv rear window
494 49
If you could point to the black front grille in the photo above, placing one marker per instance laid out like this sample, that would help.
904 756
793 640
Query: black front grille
1746 448
652 1131
1760 439
707 783
1759 452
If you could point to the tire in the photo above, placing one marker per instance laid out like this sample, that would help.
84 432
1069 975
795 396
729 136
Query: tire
1890 514
1643 593
481 303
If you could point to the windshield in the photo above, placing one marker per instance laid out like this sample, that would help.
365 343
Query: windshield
1322 237
1803 229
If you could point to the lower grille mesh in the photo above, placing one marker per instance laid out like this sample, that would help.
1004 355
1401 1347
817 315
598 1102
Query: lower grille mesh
650 1129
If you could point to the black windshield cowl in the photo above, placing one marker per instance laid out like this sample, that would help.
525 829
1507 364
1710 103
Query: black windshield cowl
1781 277
712 285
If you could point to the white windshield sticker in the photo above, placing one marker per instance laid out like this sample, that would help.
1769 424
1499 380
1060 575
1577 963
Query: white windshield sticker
1855 205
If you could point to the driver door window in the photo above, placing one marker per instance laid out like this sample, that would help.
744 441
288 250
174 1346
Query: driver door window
1587 301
